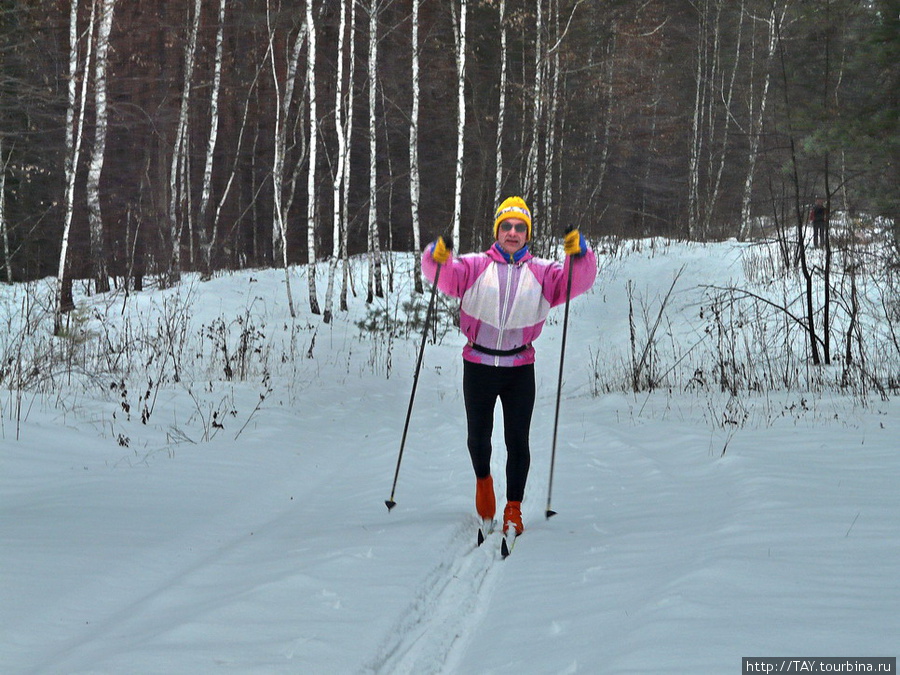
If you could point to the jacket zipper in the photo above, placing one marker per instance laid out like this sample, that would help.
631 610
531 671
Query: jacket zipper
503 315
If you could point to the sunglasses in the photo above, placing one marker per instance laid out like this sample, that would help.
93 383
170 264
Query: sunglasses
506 226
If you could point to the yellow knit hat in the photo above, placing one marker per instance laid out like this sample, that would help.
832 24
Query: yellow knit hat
512 207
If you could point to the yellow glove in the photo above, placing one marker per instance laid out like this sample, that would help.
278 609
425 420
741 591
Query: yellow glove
574 243
441 252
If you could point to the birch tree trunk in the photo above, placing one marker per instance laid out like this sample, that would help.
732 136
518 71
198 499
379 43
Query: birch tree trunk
460 32
610 71
178 187
700 94
709 144
95 169
756 123
727 97
550 148
7 258
74 134
652 144
282 115
531 164
209 230
826 106
311 203
337 185
374 243
241 256
345 206
297 142
414 179
279 242
501 106
799 211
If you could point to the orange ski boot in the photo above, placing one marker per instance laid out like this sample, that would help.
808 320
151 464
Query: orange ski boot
512 517
485 502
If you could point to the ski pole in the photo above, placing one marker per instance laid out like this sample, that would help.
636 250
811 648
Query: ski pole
390 503
562 357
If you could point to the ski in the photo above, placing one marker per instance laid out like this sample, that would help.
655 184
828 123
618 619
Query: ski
507 540
508 543
485 529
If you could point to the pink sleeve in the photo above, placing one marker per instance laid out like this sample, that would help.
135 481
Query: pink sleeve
584 271
457 274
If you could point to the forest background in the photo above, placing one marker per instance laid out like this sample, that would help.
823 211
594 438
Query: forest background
163 136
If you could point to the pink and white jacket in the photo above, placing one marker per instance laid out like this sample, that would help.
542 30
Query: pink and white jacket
505 302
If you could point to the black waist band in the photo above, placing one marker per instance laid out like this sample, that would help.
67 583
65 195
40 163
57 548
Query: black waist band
499 352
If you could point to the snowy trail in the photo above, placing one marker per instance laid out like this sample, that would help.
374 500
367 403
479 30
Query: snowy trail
447 609
434 631
179 592
143 592
273 553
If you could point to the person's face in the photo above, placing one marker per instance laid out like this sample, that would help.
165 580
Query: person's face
512 234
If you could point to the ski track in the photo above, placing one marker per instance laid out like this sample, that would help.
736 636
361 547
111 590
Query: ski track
448 608
134 615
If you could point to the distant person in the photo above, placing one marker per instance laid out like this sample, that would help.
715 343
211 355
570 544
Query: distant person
818 216
506 296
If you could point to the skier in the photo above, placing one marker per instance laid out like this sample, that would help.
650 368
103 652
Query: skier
506 296
818 216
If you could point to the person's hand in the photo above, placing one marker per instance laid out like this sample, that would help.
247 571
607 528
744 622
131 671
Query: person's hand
574 243
441 251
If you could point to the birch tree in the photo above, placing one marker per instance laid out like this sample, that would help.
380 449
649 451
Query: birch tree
178 171
551 163
4 228
414 178
700 94
726 96
537 97
757 117
74 134
345 206
208 230
652 142
252 92
95 169
501 105
311 202
799 211
553 90
459 29
610 72
337 185
282 114
712 115
375 282
7 258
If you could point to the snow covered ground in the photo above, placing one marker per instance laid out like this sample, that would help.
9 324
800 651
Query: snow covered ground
243 527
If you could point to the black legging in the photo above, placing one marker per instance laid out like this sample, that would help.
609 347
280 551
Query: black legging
515 387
